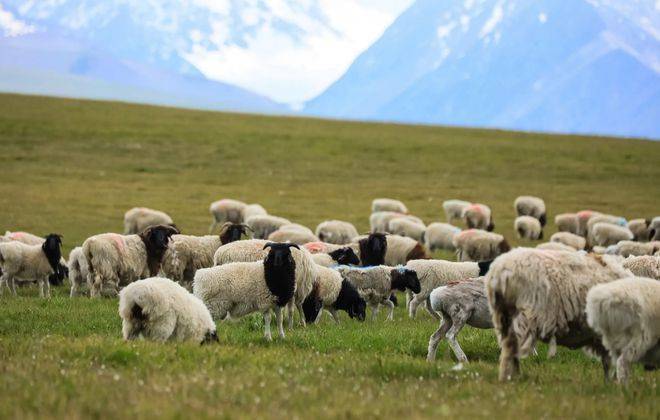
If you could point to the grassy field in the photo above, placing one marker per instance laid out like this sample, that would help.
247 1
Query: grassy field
74 167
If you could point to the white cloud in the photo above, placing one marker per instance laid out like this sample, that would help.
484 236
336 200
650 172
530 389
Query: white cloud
492 22
445 30
10 26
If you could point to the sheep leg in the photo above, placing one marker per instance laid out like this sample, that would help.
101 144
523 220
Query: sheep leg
623 363
414 303
552 347
429 308
458 323
436 337
409 297
301 314
267 334
279 318
74 288
45 287
289 311
374 311
7 280
509 363
318 317
335 315
390 304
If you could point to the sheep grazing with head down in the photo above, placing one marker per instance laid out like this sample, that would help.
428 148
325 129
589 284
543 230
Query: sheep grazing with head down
626 314
644 266
264 225
583 218
404 226
388 204
138 219
527 205
539 294
528 227
454 209
336 232
567 222
640 229
159 309
376 284
478 216
78 271
240 288
569 239
606 234
379 222
333 293
479 245
226 210
341 256
21 262
440 236
115 260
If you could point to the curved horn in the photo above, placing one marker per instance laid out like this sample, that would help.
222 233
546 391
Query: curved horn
247 227
293 246
268 245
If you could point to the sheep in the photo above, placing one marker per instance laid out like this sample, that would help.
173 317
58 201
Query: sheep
379 221
605 234
78 270
332 293
159 309
403 226
478 245
376 284
569 239
19 261
23 237
440 236
187 254
632 248
336 232
294 236
644 266
582 218
388 204
478 216
539 294
138 219
326 248
567 222
341 256
454 209
626 314
239 288
436 273
250 250
555 246
252 210
297 228
528 227
226 210
654 229
527 205
264 225
115 260
640 229
401 250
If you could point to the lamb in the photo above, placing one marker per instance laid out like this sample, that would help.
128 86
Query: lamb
528 227
440 236
19 261
187 254
478 245
582 220
539 294
264 225
388 204
78 270
403 226
138 219
569 239
159 309
626 314
116 260
226 210
376 284
555 246
252 210
332 293
567 222
527 205
605 234
336 232
294 236
341 256
478 216
454 209
240 288
640 229
643 266
654 229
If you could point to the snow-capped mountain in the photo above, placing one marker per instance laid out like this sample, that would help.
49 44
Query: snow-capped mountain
587 66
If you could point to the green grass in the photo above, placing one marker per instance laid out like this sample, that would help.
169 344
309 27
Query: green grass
74 167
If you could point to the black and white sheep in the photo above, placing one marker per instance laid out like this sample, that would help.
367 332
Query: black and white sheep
341 256
333 293
138 219
527 205
336 232
528 227
55 279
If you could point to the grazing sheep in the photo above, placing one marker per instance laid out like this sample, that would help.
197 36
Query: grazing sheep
632 248
626 314
341 256
479 245
403 226
606 234
252 210
264 225
644 266
23 237
376 284
440 236
388 204
401 250
539 294
21 262
640 229
240 288
527 205
336 232
555 246
582 220
478 216
332 293
379 222
567 222
569 239
78 271
294 236
226 210
454 209
116 260
138 219
159 309
528 227
654 229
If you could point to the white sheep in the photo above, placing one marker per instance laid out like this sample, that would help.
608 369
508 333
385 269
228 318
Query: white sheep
115 260
379 221
555 246
632 248
478 216
78 271
654 229
23 237
336 232
454 209
138 219
479 245
528 227
567 222
388 204
332 293
527 205
21 262
626 314
643 266
640 229
606 234
569 239
226 210
159 309
264 225
401 250
294 236
539 294
252 210
583 218
404 226
440 236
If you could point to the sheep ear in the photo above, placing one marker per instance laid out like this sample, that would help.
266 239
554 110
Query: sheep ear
268 245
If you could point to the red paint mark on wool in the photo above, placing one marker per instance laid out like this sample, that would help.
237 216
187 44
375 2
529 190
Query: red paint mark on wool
315 247
119 242
17 235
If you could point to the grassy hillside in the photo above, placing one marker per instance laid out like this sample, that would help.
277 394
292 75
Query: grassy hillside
74 167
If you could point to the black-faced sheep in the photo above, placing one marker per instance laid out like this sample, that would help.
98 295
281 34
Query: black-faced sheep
341 256
332 293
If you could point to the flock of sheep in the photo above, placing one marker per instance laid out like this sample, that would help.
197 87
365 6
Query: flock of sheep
594 285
